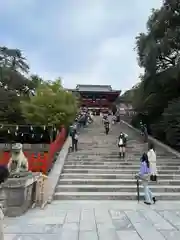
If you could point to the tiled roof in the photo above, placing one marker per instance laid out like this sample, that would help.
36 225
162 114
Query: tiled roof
94 88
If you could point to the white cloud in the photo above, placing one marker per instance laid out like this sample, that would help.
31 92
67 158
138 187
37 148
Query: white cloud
114 63
100 33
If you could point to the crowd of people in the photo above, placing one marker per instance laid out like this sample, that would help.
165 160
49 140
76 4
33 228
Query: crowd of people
83 118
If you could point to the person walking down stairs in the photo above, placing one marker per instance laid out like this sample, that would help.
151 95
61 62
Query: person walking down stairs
106 125
74 137
122 140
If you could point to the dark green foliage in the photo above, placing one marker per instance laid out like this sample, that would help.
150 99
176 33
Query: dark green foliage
159 54
171 122
32 100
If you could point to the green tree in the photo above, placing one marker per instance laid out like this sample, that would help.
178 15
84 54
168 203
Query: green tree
10 111
14 86
50 105
13 59
35 81
170 123
12 65
159 54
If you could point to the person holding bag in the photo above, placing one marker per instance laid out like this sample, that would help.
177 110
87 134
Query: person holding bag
144 176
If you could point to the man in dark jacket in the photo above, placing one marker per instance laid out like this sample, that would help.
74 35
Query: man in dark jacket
74 137
106 125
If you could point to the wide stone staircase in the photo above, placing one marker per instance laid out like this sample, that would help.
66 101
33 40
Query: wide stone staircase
96 172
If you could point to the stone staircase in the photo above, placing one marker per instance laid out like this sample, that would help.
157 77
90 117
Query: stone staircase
96 172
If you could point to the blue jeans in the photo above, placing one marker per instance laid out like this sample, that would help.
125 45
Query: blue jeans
147 192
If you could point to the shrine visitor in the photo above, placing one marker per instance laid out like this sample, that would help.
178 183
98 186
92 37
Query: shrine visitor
106 125
122 140
144 175
152 161
74 137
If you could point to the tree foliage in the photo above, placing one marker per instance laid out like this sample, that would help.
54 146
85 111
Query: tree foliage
13 85
159 54
31 99
50 105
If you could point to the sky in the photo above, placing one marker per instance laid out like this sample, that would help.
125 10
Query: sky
81 41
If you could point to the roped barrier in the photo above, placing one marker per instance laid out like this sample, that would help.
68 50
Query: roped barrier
41 156
45 163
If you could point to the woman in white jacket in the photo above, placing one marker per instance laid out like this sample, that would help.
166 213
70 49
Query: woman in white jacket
152 159
152 164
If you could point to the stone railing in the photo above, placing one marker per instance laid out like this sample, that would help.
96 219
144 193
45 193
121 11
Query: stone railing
16 194
155 141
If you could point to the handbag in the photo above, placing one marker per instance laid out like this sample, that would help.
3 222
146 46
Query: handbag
153 178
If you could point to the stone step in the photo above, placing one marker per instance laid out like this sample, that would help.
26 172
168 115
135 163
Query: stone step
111 196
118 161
101 154
96 172
112 166
115 155
115 188
115 171
94 181
107 150
113 175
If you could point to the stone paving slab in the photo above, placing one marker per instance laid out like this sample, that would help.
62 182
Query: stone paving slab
97 220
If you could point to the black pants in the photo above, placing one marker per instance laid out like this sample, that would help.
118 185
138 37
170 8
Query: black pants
74 144
106 131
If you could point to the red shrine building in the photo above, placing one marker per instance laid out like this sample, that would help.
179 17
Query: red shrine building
98 98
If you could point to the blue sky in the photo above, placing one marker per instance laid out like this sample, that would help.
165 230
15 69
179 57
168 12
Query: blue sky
82 41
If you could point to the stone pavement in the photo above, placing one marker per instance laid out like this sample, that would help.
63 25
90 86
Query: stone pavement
97 220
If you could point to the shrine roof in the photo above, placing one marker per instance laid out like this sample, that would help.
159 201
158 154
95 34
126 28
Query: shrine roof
94 88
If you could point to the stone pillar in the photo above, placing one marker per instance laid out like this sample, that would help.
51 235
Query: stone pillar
19 194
